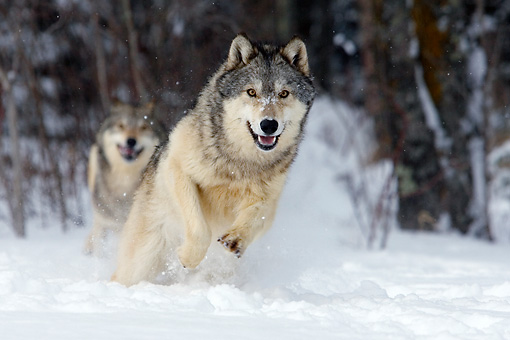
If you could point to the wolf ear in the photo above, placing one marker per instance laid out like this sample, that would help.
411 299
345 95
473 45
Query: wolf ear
144 110
149 107
116 107
241 52
295 53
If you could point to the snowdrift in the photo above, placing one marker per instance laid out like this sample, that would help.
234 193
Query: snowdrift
310 277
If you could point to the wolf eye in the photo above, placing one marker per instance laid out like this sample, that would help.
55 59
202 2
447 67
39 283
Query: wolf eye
284 94
251 92
120 126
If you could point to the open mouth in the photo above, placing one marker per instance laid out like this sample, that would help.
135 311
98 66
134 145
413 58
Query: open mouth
129 153
265 143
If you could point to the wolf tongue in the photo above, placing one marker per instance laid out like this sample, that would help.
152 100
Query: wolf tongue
127 151
267 140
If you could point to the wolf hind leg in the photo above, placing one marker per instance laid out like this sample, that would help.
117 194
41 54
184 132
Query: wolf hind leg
141 259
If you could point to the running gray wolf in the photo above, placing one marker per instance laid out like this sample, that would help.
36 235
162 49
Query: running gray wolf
123 148
220 176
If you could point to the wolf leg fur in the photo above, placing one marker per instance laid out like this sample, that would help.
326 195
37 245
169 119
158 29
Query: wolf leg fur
95 241
251 222
140 260
197 237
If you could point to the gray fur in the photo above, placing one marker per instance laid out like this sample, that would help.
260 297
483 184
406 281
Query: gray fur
252 61
268 65
263 62
217 179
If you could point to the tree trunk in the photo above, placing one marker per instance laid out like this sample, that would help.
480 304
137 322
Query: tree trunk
133 51
101 65
442 174
478 113
373 68
16 199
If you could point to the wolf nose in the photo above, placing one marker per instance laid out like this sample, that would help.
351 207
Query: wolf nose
131 142
269 126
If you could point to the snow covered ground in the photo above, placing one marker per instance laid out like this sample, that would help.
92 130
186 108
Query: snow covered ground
310 277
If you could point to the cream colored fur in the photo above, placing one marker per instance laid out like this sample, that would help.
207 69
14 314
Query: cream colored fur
189 206
196 193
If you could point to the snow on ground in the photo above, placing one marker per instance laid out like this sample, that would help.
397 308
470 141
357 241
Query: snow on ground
310 277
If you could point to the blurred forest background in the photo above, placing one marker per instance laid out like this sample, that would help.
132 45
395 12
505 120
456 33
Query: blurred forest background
433 75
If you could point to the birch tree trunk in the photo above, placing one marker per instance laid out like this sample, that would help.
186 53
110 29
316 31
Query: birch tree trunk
478 113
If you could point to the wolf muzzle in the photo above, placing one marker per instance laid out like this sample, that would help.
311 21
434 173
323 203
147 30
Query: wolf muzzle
267 140
269 126
129 151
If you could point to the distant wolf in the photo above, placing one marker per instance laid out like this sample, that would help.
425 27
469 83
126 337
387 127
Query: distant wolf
220 176
123 148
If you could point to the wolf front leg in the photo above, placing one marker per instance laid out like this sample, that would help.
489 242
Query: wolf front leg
97 233
94 245
253 220
197 234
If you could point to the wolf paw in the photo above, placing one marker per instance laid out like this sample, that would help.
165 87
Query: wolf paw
232 243
189 259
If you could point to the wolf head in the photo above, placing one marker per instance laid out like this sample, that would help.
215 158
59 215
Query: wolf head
129 134
266 92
